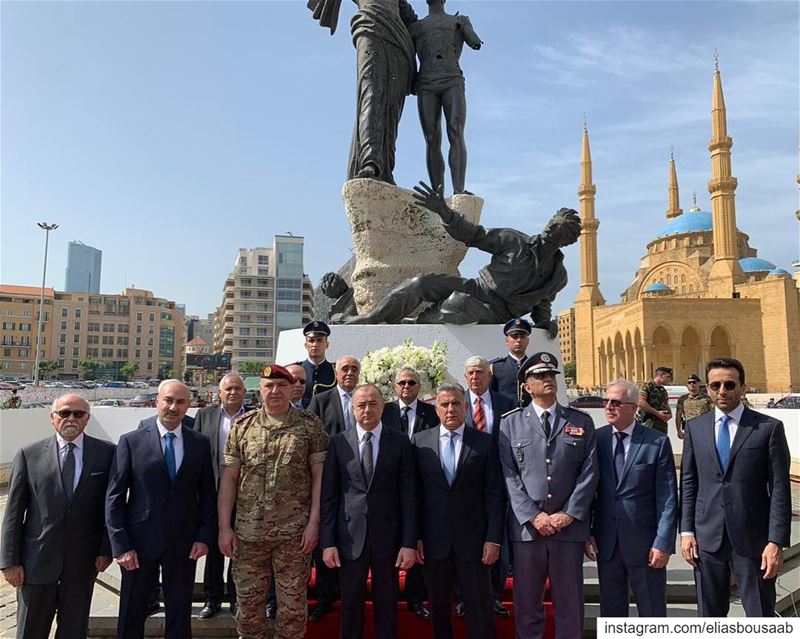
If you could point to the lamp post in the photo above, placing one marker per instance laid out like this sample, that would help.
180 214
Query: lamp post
46 228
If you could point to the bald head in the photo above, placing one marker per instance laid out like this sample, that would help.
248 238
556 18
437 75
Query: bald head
172 403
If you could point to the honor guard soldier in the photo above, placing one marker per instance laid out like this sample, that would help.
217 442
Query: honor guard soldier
505 370
319 371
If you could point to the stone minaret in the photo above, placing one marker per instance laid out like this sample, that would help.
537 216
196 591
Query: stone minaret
725 271
589 295
674 209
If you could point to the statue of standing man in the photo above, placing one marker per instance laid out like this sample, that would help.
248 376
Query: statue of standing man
439 39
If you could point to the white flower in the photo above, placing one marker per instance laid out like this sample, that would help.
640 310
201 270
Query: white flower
379 367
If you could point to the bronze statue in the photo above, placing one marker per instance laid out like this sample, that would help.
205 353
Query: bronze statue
385 68
524 276
439 39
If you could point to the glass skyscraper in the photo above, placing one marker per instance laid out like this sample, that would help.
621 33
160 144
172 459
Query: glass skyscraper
83 268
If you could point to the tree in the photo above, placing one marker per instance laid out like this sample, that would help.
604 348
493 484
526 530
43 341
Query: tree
45 368
128 370
87 366
251 367
570 371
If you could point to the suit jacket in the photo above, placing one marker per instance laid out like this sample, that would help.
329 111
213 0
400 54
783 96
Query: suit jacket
327 405
425 417
386 506
751 499
42 530
641 511
501 404
462 517
505 380
548 475
206 421
148 513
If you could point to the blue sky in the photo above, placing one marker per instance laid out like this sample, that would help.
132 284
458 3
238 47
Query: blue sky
169 134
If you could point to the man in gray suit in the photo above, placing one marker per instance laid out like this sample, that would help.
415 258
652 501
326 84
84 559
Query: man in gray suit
54 536
548 457
216 422
635 512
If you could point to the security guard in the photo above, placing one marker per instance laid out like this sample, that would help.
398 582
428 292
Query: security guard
272 471
548 457
505 370
691 404
319 371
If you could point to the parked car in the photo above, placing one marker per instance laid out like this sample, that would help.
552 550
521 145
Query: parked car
110 402
145 400
112 384
7 386
588 401
790 401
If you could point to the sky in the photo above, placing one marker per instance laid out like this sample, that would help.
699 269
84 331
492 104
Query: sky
170 134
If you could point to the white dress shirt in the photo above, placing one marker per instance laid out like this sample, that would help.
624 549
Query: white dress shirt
487 408
551 411
63 447
412 414
177 443
225 424
444 437
376 442
626 443
346 400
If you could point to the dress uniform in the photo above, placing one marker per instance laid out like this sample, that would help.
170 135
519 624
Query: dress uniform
505 370
319 377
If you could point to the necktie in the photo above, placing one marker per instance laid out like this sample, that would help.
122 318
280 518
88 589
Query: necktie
724 442
68 471
404 418
169 455
619 455
546 424
366 457
449 458
348 411
478 416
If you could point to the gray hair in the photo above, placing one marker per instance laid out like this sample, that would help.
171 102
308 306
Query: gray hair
407 369
343 357
75 395
363 387
452 387
222 381
477 361
169 381
631 389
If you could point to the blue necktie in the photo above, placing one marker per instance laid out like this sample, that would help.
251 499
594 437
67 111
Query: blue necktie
169 455
619 455
724 442
449 458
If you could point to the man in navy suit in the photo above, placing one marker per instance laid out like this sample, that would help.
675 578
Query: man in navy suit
161 512
368 514
635 511
736 498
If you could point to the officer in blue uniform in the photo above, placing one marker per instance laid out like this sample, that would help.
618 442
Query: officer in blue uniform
505 370
319 371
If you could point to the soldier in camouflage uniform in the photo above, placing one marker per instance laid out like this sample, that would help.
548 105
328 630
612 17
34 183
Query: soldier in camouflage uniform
654 410
272 471
691 404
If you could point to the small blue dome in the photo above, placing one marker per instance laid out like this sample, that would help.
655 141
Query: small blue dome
657 287
779 271
690 222
755 265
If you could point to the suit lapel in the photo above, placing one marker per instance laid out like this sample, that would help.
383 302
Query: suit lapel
744 430
434 444
351 437
559 421
706 432
54 467
88 457
633 451
214 432
337 406
537 429
154 438
466 451
379 462
188 452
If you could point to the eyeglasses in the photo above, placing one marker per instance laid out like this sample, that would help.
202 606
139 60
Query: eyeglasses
406 382
728 384
615 403
66 414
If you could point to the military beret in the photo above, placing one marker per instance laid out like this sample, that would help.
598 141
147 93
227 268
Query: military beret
273 371
538 363
693 378
316 328
517 325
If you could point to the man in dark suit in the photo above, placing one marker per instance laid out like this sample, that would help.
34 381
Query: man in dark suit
736 497
411 415
320 373
461 504
505 370
216 422
368 517
54 539
635 511
299 386
335 408
548 456
161 512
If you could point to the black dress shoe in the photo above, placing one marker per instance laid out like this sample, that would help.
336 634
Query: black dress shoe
272 609
420 609
154 607
500 609
460 610
210 609
318 611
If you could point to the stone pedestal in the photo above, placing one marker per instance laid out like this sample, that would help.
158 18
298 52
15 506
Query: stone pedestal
395 239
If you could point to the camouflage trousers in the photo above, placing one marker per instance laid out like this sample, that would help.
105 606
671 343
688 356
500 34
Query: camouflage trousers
254 562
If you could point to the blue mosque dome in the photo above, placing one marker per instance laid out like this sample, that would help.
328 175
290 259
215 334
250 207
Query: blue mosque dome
755 265
779 271
690 222
657 287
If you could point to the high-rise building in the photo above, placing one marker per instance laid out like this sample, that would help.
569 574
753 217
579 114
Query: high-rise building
84 264
266 293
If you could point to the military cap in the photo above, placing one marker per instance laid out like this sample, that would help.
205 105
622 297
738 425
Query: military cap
517 325
316 328
693 378
538 363
273 371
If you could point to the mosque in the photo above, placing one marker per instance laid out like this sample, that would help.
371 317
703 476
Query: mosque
700 292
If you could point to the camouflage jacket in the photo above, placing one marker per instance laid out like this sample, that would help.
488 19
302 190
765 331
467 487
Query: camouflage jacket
692 407
655 395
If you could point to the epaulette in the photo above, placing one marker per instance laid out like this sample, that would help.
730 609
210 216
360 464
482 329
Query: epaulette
512 411
577 410
245 415
497 360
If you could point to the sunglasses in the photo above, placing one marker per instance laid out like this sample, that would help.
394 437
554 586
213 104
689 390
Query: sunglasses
728 384
406 382
615 403
66 414
544 375
692 381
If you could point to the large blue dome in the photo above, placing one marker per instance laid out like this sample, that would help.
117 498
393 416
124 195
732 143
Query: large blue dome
755 265
657 287
690 222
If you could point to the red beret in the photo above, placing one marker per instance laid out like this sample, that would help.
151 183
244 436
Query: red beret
273 371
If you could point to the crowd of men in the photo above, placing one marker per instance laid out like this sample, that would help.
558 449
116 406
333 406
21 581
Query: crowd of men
495 473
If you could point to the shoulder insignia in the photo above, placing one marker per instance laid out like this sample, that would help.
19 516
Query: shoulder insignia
512 411
497 360
577 410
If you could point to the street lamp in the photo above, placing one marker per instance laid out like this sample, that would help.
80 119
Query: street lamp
46 228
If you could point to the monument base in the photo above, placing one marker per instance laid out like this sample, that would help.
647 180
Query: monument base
485 340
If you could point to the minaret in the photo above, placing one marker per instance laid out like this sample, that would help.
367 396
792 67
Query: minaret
589 295
725 271
674 209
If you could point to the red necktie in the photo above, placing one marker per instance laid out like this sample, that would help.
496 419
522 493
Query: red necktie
478 416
